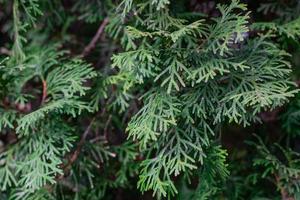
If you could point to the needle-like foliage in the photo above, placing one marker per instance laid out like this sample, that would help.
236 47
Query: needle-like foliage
139 95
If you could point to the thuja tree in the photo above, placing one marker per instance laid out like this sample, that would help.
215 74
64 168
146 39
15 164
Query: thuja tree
142 99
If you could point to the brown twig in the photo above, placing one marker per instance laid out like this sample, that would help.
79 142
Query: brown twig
106 126
95 39
44 83
5 51
66 168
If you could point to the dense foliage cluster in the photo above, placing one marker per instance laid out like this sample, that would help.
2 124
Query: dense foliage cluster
149 99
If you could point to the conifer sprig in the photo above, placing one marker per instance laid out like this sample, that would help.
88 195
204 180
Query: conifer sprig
149 103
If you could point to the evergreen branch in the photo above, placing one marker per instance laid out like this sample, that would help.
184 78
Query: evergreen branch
17 51
174 79
283 192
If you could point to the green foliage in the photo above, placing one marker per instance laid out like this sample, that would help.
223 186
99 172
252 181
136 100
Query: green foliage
200 60
285 172
147 107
